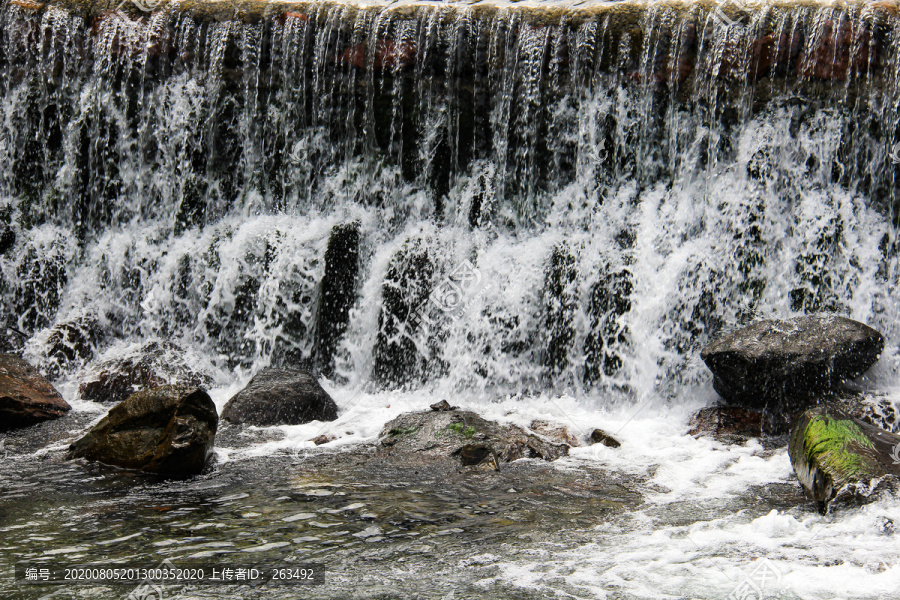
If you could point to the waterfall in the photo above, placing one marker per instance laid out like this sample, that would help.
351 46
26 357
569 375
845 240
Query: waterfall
493 199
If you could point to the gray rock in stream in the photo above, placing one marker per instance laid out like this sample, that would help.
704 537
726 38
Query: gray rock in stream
280 397
465 436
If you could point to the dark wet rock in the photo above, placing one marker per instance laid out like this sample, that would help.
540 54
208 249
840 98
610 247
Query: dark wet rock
153 365
6 346
555 432
387 54
403 340
765 53
338 292
12 341
474 455
733 424
727 423
559 301
70 344
322 439
26 397
838 49
443 405
841 458
464 434
281 397
41 277
7 239
781 367
598 436
610 300
168 430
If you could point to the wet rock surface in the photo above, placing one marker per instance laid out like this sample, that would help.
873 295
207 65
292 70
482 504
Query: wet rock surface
281 397
167 430
153 365
781 366
464 435
69 344
338 292
26 398
842 458
727 423
598 436
12 341
874 409
736 424
555 432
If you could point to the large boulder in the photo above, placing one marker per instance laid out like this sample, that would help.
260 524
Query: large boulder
782 366
281 397
153 365
465 436
839 457
168 430
26 397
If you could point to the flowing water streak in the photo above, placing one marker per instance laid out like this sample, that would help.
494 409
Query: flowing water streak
626 181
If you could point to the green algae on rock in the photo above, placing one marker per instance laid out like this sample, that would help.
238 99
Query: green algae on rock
841 458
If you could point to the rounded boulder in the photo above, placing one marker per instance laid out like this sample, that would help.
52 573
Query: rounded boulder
280 397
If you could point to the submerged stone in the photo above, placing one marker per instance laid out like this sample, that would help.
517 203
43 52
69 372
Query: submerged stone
168 430
26 398
782 366
838 457
281 397
728 423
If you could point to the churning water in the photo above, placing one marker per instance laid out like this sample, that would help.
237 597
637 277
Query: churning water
546 206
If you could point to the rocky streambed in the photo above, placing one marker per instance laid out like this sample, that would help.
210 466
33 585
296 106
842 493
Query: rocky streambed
380 527
445 502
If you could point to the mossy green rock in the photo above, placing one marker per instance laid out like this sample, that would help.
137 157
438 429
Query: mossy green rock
838 457
167 430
